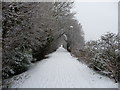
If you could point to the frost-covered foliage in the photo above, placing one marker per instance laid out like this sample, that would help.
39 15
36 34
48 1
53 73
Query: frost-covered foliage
33 29
15 27
21 60
103 55
75 35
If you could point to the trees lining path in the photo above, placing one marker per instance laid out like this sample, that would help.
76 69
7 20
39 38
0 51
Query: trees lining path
61 70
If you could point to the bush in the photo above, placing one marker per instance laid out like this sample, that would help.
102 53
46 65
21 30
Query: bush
103 55
21 60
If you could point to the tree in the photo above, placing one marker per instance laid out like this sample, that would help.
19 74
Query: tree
32 30
102 55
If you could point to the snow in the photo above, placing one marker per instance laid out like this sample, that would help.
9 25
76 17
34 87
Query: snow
71 26
65 36
61 70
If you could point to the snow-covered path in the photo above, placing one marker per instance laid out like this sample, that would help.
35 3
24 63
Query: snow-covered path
61 70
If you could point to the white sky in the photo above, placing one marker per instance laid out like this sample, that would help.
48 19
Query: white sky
97 18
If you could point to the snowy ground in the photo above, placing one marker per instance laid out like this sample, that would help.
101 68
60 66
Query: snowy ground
62 70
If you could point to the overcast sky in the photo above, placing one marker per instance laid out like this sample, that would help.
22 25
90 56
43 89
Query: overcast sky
97 18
